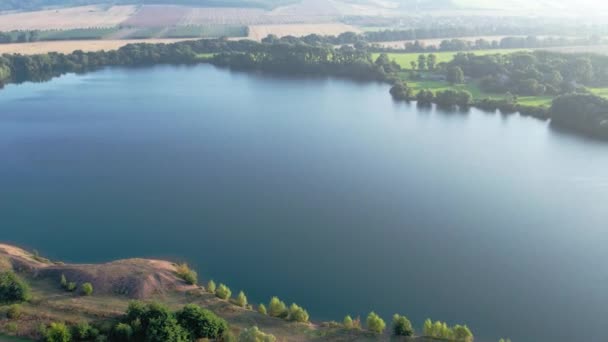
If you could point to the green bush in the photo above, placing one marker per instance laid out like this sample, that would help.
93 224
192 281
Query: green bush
14 311
462 333
57 332
254 334
13 288
86 289
154 323
402 326
375 323
277 308
211 286
63 282
347 322
201 323
187 274
83 332
298 314
262 309
241 299
223 292
122 332
71 286
12 327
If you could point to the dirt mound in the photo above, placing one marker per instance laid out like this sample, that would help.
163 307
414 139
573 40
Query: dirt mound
135 278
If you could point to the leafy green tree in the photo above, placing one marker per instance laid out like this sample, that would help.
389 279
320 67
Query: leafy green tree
201 323
63 282
421 62
427 328
375 323
431 61
425 97
254 334
223 292
455 75
71 286
166 329
211 286
13 288
401 91
262 309
413 65
14 311
298 314
84 332
122 332
57 332
402 326
347 322
277 308
86 289
241 299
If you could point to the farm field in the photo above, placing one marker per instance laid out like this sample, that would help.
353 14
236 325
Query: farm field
257 32
67 18
73 45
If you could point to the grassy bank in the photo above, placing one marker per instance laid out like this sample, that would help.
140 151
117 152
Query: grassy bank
405 59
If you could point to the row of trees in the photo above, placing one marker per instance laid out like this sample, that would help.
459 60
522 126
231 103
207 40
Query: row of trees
441 330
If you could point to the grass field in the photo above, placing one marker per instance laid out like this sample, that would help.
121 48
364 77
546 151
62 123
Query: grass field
405 59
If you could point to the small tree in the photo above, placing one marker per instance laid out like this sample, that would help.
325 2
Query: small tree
86 289
455 75
427 328
402 326
254 334
431 61
462 333
223 292
13 288
63 282
58 332
298 314
348 322
262 309
82 331
277 308
241 299
401 91
71 286
211 286
14 311
375 323
187 274
421 62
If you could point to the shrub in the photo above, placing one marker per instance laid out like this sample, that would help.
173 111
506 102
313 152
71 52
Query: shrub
12 327
262 309
71 286
401 92
375 323
277 308
455 75
347 322
166 329
223 292
187 274
211 286
154 323
241 299
13 288
297 314
462 333
201 323
82 331
86 289
58 332
122 332
254 334
14 311
402 326
63 282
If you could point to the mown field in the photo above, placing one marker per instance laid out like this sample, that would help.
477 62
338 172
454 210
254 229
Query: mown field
405 59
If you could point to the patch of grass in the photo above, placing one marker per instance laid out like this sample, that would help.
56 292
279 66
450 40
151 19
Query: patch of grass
405 59
603 92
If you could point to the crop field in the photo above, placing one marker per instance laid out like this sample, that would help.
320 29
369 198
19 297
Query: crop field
77 34
69 46
257 32
67 18
157 15
207 31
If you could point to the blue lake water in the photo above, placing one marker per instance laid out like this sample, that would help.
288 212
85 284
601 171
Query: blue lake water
321 191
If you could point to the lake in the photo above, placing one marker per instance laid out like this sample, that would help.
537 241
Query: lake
323 192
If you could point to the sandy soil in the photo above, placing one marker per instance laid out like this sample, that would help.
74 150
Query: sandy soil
257 32
67 18
73 45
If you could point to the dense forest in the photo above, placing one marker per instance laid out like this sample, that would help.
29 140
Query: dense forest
564 76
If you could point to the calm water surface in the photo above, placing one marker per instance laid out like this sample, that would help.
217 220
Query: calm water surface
323 192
